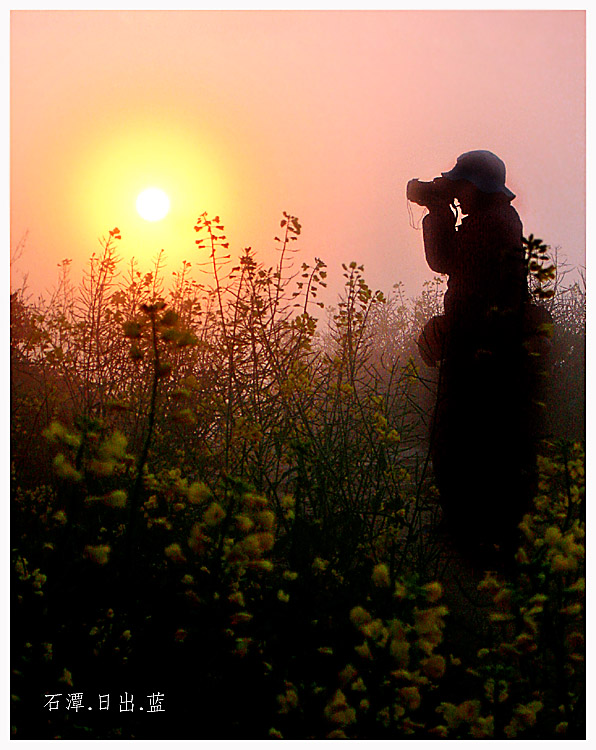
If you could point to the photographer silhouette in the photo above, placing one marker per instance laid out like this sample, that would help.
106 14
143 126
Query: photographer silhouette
482 439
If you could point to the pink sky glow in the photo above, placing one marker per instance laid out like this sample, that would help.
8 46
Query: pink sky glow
323 114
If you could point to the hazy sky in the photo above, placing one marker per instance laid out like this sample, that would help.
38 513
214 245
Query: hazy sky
323 114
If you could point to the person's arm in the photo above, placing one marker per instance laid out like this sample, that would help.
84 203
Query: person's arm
438 230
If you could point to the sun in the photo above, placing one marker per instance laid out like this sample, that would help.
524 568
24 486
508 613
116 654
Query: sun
153 204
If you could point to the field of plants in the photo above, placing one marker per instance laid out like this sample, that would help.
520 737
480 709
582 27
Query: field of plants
223 511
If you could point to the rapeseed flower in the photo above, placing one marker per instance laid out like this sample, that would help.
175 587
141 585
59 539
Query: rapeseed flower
174 553
66 677
359 616
116 499
57 432
287 502
410 696
400 590
253 500
363 650
65 470
244 523
434 591
380 575
60 517
237 598
347 674
288 700
197 539
483 727
265 565
197 493
400 651
449 713
214 514
319 564
433 666
265 519
98 554
468 711
114 447
338 711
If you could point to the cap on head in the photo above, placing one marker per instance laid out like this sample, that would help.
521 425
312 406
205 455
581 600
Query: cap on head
483 169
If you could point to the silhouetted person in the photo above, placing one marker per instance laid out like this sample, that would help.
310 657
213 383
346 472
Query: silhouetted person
482 441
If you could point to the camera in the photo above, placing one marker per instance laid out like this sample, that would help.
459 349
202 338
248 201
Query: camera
440 190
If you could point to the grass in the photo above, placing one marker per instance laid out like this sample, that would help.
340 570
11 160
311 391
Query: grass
225 507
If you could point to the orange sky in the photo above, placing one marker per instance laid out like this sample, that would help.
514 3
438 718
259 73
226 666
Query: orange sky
324 114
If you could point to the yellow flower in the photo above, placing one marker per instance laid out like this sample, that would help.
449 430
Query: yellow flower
434 591
98 554
400 651
468 711
116 499
400 590
244 523
433 666
572 610
114 447
290 575
60 517
560 563
197 539
214 514
287 502
338 711
282 596
174 553
449 712
265 540
380 575
265 565
198 492
410 696
358 685
275 734
347 674
65 470
363 650
319 564
126 635
288 700
253 500
265 519
552 535
66 677
242 645
374 629
439 731
483 727
359 616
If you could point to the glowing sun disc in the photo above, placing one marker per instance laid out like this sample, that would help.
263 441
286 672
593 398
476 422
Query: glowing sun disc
153 204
